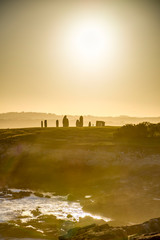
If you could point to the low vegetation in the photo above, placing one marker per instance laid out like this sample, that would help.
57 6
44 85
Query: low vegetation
142 130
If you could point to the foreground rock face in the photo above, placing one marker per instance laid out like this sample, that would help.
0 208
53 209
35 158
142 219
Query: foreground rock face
152 236
150 226
95 232
149 230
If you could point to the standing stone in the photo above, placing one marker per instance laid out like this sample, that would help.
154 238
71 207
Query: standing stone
100 124
45 123
77 123
57 123
81 121
65 121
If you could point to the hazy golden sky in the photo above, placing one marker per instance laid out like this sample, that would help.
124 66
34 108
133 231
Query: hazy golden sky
80 56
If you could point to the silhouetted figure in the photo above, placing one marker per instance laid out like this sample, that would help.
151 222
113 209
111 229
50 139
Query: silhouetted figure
89 124
81 121
65 121
41 124
45 123
57 123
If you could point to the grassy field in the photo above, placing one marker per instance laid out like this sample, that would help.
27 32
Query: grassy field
60 137
86 137
122 176
42 154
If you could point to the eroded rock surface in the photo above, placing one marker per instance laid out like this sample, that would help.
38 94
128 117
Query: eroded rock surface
149 230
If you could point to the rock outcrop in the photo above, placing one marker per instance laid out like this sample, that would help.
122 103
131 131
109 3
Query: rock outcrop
149 230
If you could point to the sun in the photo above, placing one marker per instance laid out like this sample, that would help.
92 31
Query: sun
87 42
90 42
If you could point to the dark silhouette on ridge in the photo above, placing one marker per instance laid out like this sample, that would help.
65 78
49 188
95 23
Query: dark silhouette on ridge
45 123
79 123
65 121
100 124
57 123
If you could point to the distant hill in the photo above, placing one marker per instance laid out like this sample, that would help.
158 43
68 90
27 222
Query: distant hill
32 119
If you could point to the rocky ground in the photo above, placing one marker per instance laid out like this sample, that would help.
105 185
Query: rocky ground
149 230
27 214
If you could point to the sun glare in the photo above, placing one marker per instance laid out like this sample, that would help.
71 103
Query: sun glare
90 42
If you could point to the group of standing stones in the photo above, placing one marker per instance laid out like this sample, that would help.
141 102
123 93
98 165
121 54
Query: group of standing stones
65 122
79 122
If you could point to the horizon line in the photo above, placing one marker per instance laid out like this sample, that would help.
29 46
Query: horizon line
88 115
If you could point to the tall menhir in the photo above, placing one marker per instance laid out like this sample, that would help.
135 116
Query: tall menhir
45 123
81 121
65 121
57 123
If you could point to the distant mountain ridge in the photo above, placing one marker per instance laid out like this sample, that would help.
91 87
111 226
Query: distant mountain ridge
32 119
